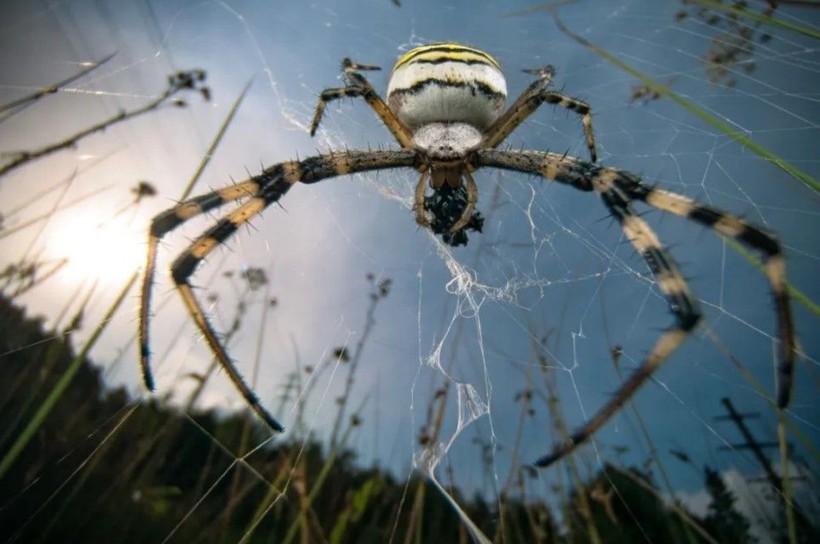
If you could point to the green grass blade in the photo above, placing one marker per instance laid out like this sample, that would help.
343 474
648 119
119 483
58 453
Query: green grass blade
215 142
694 109
766 19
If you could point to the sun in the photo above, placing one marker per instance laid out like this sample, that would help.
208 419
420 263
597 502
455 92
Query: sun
95 248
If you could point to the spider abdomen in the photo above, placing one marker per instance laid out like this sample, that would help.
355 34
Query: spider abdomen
446 83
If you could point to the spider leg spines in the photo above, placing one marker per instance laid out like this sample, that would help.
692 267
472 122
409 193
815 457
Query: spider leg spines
752 236
263 190
682 302
238 190
289 172
530 100
665 346
185 265
329 95
618 189
579 107
349 65
161 225
204 325
360 87
142 333
170 219
687 316
187 261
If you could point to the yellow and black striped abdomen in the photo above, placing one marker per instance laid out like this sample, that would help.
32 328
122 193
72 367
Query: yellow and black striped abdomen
446 83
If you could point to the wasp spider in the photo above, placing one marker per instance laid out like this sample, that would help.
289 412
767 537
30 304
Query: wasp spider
445 108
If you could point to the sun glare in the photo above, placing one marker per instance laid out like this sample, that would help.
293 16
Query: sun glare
97 250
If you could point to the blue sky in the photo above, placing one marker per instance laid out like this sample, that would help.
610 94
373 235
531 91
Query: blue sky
551 277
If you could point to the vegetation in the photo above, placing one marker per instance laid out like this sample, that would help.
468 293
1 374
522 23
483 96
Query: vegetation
103 466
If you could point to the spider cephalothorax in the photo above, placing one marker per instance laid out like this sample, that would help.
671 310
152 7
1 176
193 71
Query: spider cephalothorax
445 109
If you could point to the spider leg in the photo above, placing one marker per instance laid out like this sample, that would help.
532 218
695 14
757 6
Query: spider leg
750 235
683 305
545 75
418 202
350 67
358 86
263 190
618 189
162 224
472 199
530 100
469 208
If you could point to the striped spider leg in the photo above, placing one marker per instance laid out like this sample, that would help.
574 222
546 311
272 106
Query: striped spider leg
618 189
358 86
531 99
259 192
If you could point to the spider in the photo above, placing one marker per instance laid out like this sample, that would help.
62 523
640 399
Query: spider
445 109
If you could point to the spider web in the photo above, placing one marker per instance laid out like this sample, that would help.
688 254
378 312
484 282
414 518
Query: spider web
550 301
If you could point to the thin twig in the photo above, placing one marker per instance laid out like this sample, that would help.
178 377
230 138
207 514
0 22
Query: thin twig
178 82
7 111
